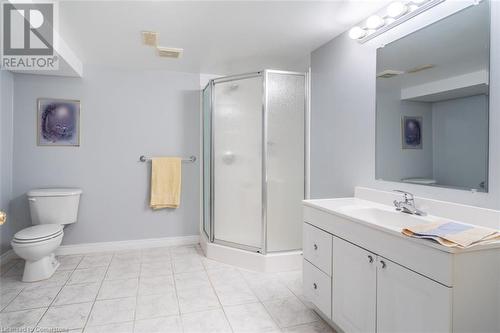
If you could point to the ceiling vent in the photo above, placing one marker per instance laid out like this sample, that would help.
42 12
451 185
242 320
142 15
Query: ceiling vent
388 73
150 38
419 68
169 52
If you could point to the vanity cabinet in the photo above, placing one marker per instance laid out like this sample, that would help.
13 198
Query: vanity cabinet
362 279
354 284
370 293
410 302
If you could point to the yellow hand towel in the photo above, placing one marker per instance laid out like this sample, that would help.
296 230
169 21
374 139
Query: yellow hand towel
165 182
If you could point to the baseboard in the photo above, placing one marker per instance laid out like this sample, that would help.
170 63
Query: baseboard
127 245
5 260
272 262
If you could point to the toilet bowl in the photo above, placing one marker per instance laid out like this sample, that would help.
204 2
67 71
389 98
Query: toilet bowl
36 245
50 210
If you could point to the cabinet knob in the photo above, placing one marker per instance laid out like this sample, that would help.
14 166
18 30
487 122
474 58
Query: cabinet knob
383 263
315 246
370 259
315 286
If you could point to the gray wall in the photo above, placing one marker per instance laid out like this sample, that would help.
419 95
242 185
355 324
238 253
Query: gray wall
124 114
6 142
460 141
393 162
343 123
342 118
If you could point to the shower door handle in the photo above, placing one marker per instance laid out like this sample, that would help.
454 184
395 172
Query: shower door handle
228 157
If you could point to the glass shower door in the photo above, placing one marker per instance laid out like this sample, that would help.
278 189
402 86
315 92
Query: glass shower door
237 162
286 113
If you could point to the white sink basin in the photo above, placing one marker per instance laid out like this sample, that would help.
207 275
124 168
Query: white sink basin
383 217
386 218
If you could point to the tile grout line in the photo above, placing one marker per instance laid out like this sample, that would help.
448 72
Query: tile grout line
175 288
137 291
12 300
97 294
215 291
303 303
281 299
14 262
263 305
65 283
20 291
284 280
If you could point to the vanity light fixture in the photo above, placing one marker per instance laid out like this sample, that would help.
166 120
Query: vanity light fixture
374 22
397 9
395 14
357 33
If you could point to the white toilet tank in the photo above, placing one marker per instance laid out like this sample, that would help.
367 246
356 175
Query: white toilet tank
54 205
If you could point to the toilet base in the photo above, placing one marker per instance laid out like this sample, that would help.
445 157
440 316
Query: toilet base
41 269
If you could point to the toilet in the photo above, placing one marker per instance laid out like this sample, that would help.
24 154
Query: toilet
50 210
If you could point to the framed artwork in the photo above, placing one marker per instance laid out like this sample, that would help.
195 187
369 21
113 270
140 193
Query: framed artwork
411 132
58 122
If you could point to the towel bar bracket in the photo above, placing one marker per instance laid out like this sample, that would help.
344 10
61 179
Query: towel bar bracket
191 159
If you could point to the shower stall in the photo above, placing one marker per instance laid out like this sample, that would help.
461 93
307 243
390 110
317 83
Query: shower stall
255 152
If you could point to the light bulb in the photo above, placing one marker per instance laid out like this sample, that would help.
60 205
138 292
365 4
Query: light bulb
357 33
389 20
396 9
374 22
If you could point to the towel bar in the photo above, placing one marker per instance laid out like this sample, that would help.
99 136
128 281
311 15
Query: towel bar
191 159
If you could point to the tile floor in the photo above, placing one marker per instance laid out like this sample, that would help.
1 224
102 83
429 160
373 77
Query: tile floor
154 290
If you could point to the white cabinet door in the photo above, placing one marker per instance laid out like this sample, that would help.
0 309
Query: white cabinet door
354 287
410 302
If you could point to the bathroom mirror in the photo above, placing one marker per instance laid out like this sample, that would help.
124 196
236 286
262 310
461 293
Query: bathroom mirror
432 103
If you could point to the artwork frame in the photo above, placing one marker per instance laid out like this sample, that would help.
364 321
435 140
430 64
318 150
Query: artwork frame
58 122
411 132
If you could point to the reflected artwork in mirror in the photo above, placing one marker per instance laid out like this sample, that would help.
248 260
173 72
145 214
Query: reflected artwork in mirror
432 116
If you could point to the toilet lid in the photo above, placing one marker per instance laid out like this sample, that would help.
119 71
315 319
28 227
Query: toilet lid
38 232
54 192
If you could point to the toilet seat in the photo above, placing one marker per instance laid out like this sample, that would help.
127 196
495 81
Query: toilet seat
38 233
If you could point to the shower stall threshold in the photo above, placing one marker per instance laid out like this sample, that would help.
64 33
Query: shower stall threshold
268 263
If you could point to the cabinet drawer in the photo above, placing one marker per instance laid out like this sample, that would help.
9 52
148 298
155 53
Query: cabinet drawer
318 288
318 248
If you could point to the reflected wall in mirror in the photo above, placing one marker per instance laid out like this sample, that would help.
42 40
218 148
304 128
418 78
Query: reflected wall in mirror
432 103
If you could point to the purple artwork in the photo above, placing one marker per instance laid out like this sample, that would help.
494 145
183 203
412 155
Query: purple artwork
411 128
58 122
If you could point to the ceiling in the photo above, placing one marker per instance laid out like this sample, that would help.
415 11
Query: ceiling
218 37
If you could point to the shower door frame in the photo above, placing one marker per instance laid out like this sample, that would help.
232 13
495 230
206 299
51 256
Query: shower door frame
264 75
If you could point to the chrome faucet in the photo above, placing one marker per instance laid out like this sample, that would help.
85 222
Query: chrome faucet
408 205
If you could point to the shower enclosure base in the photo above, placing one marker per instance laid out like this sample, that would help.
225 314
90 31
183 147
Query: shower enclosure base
271 262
